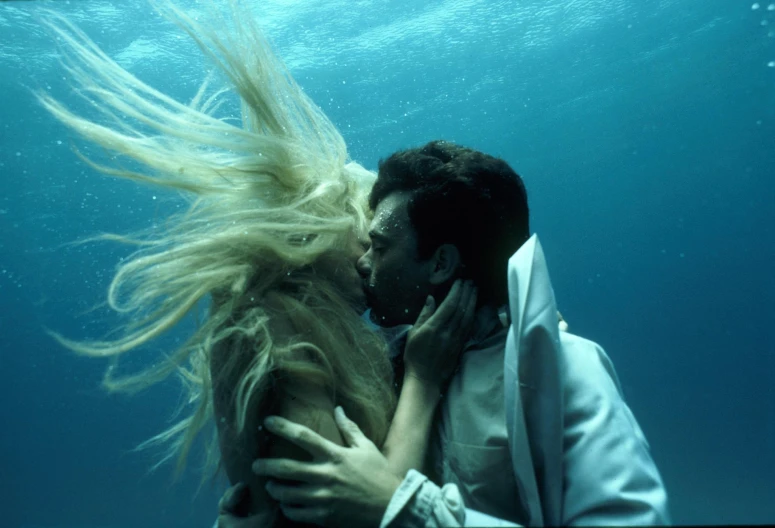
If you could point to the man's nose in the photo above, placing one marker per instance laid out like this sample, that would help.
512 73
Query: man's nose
363 265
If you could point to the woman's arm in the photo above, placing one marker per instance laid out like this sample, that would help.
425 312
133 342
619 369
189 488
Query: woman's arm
430 357
406 444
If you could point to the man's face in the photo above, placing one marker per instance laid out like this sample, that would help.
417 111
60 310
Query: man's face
396 281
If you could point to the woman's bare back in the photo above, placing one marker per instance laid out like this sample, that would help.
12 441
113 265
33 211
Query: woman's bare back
297 400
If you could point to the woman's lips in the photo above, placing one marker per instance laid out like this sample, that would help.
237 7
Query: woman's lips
369 296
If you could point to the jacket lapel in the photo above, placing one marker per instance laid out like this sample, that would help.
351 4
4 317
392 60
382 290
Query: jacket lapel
534 401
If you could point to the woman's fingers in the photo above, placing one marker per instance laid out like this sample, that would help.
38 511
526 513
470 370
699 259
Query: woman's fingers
448 307
427 311
304 437
455 322
469 310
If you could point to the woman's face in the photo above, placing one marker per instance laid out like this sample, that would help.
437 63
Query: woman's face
340 265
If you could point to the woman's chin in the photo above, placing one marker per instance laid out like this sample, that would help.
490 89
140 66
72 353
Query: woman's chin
358 303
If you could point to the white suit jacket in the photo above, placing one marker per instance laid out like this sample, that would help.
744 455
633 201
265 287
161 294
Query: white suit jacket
579 457
588 462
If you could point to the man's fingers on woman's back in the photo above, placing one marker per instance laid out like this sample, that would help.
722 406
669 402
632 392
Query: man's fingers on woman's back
287 469
302 436
352 434
232 498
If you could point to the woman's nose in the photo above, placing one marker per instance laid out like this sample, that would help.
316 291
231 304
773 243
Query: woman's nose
363 265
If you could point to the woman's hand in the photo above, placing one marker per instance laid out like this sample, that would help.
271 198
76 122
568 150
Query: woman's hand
434 343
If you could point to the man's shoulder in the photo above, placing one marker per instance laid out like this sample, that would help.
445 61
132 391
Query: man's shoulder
576 348
592 392
576 343
584 362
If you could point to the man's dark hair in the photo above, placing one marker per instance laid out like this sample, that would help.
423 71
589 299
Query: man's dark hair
463 197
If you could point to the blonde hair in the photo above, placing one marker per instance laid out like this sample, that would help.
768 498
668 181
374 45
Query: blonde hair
272 197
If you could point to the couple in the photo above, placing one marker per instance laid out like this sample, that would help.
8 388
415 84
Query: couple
487 415
530 428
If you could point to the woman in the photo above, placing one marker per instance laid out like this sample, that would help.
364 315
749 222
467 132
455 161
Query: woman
277 220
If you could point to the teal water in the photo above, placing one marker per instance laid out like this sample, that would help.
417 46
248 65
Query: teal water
645 132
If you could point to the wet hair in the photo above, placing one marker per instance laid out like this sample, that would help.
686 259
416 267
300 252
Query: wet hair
271 197
463 197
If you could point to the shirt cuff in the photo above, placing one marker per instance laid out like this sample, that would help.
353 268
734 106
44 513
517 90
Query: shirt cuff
419 503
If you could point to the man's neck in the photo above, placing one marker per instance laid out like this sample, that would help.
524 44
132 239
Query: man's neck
488 320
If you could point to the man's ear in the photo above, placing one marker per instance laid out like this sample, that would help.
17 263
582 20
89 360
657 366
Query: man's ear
445 264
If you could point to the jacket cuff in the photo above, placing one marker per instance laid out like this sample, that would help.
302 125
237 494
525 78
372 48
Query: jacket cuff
419 503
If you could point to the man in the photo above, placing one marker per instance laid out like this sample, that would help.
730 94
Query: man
532 429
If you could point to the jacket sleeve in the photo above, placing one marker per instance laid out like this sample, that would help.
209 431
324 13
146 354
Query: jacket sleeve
609 475
419 503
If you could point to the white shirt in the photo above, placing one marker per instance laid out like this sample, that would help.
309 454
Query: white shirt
470 444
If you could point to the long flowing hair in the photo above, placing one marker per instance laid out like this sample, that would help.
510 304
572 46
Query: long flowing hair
270 197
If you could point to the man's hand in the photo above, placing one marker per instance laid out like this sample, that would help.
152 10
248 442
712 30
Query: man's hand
231 509
342 486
